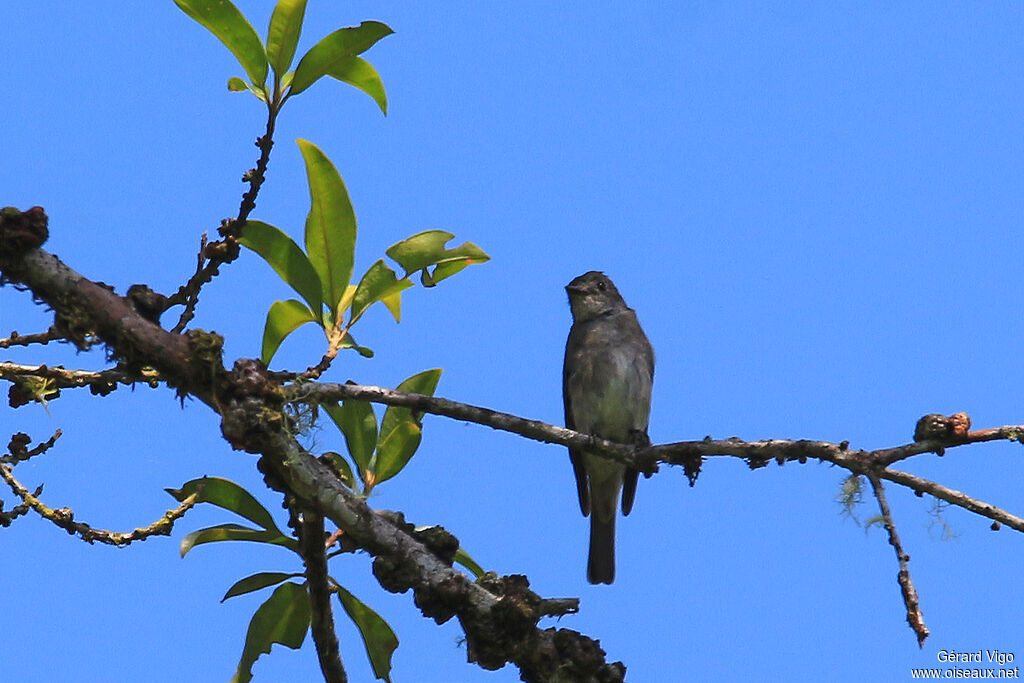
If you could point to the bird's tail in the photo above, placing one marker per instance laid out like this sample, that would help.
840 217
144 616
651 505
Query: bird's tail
601 561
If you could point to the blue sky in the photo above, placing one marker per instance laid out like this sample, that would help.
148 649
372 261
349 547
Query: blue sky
814 209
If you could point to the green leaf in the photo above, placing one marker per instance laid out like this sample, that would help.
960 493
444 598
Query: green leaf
425 249
283 318
228 495
283 618
222 19
394 304
330 226
283 34
358 72
343 468
377 284
257 582
421 383
236 84
380 641
236 532
395 450
449 268
285 257
333 50
463 558
400 431
350 343
358 423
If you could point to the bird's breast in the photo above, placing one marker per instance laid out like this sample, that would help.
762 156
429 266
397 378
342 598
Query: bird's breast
611 391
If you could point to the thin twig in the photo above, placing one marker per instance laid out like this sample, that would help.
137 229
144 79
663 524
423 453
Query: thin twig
25 339
7 518
914 616
65 519
212 256
559 607
888 456
953 497
18 450
315 371
256 176
63 378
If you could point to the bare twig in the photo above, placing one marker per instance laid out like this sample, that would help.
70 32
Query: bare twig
7 518
213 255
25 339
953 497
18 450
559 607
914 616
256 176
62 378
532 429
888 456
65 519
314 371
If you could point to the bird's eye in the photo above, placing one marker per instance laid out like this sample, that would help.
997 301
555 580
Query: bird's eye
601 286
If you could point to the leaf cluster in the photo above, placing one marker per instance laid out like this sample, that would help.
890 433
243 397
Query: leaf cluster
321 274
284 617
336 55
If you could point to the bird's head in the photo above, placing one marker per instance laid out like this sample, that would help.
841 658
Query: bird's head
591 295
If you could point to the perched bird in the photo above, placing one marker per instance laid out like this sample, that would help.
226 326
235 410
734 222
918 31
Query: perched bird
606 387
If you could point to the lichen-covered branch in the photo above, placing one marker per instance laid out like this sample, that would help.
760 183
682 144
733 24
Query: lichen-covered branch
499 617
65 518
57 377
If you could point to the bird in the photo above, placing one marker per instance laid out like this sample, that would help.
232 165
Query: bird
607 378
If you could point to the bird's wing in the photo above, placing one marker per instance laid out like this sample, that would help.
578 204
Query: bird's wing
640 438
575 455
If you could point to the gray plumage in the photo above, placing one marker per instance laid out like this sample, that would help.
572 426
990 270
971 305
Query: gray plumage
606 388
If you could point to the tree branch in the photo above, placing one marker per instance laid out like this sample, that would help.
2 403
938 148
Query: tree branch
914 616
311 544
65 518
499 620
757 453
103 381
18 450
26 339
213 255
953 497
